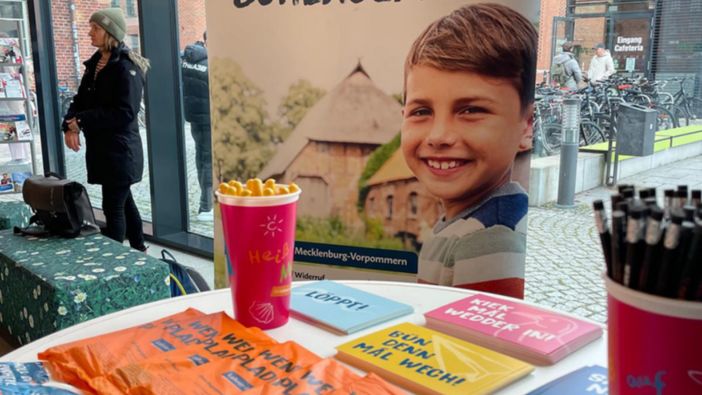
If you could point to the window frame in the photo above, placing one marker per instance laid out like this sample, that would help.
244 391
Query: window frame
158 32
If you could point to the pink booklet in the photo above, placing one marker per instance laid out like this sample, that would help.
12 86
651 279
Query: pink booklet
538 336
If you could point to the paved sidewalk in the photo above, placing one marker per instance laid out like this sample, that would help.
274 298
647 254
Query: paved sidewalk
564 257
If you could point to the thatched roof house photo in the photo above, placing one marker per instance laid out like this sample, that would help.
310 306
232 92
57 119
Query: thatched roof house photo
404 206
329 148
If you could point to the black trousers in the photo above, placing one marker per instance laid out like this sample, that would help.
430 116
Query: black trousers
122 216
203 163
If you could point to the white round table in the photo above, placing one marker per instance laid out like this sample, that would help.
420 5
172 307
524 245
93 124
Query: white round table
422 297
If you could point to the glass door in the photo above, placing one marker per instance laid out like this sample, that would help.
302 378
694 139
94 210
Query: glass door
630 39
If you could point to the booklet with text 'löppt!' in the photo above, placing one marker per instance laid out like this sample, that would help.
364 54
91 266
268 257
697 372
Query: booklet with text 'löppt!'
425 361
343 309
534 335
588 380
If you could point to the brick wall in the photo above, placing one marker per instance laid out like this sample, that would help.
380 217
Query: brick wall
64 42
403 221
191 20
549 9
340 166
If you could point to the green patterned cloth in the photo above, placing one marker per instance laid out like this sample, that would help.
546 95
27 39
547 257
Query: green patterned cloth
14 214
47 284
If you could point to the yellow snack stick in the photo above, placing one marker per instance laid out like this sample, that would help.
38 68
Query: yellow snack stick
270 183
268 192
283 190
225 189
232 191
246 192
236 185
293 187
255 185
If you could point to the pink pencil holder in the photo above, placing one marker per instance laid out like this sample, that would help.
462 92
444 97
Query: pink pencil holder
655 343
259 233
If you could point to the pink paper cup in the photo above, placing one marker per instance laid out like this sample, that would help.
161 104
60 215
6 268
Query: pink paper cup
259 233
655 343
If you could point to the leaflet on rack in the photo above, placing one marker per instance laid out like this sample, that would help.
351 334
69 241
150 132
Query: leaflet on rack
9 51
11 85
14 127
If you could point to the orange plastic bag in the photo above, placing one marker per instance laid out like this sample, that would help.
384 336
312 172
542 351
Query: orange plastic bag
285 368
85 363
193 353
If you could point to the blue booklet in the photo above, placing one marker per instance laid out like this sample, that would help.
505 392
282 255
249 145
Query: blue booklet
343 309
27 378
587 380
32 389
12 373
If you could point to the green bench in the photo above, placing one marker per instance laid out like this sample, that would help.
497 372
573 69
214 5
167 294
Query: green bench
47 284
664 140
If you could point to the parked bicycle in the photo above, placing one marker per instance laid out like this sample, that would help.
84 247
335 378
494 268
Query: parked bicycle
686 108
548 129
65 97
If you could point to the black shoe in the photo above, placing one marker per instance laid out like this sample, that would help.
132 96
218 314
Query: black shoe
142 249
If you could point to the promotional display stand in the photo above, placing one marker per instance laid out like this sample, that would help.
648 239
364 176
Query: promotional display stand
17 124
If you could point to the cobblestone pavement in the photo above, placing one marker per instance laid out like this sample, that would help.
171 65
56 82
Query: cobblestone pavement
564 257
564 261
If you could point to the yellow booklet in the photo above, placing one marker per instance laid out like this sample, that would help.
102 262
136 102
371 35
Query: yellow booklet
429 362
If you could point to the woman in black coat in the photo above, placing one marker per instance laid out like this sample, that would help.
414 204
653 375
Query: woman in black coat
106 110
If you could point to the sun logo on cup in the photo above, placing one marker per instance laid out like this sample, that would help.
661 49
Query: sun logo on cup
272 225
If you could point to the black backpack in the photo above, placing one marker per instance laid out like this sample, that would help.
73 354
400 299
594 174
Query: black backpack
61 207
184 279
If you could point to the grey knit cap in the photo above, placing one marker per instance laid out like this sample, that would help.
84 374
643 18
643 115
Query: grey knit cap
112 20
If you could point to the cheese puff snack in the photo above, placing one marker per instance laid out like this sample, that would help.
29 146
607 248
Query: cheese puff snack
256 187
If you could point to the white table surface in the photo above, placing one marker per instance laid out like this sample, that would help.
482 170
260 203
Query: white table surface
422 297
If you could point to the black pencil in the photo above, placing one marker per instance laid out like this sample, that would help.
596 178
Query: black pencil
622 187
652 254
689 213
634 248
624 206
684 243
650 202
683 190
669 196
618 253
669 255
696 198
692 270
605 236
680 199
628 194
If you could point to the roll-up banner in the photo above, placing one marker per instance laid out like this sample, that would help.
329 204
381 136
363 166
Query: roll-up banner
406 123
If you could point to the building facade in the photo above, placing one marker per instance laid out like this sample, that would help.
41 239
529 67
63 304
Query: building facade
70 28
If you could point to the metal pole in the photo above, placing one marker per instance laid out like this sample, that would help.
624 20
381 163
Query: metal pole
569 152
